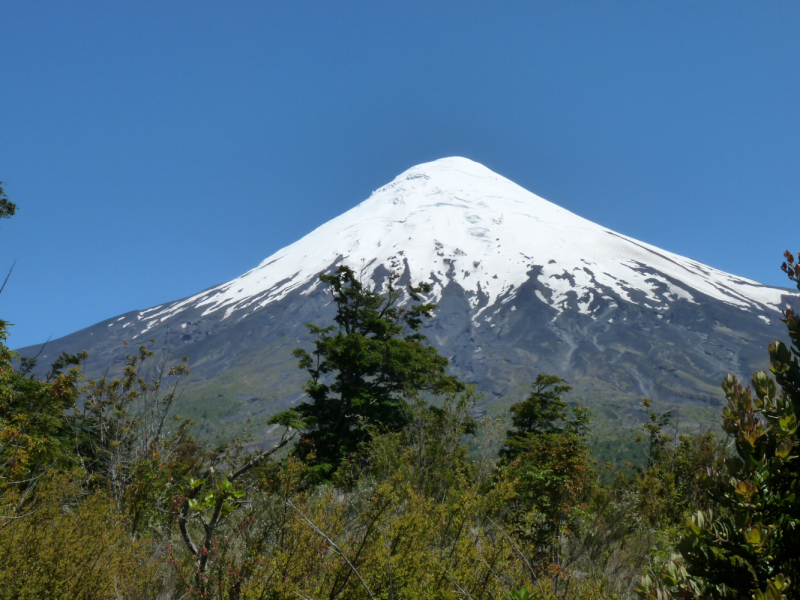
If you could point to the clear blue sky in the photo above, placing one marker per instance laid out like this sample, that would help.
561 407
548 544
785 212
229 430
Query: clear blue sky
158 148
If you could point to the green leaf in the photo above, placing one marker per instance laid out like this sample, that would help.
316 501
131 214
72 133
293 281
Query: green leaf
788 423
755 536
784 449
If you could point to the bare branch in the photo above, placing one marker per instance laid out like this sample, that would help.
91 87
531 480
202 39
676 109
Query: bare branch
254 462
388 563
521 555
7 276
333 545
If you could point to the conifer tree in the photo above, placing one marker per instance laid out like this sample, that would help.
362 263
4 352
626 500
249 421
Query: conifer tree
363 368
542 412
547 458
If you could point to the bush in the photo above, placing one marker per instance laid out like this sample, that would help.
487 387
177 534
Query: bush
67 543
750 548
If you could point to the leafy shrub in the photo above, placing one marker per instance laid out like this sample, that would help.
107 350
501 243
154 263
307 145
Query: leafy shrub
750 548
67 543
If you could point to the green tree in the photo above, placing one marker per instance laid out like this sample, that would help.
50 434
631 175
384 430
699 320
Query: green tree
363 368
430 451
35 431
542 412
659 441
547 458
668 490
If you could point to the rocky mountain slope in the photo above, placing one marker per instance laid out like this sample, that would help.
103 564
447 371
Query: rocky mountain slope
523 285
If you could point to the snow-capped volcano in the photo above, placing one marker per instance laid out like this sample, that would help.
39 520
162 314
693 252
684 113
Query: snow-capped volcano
454 220
523 287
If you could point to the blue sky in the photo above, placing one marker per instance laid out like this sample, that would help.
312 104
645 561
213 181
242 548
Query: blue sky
158 148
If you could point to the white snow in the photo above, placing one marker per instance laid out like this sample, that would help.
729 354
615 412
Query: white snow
454 219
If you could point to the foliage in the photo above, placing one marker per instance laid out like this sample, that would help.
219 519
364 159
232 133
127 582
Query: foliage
540 413
668 488
72 544
547 459
749 549
520 594
387 536
430 451
127 439
210 501
402 544
7 208
550 479
363 367
35 431
658 440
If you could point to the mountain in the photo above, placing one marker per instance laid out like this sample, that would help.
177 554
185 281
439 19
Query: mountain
523 287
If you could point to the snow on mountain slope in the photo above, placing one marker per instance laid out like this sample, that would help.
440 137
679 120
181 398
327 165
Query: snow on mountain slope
455 220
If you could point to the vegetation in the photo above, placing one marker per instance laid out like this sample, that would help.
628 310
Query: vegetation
385 483
546 456
744 544
7 208
363 369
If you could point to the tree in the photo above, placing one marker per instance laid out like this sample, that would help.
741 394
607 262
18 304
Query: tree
125 436
658 441
667 489
540 413
363 368
210 500
430 451
547 457
34 417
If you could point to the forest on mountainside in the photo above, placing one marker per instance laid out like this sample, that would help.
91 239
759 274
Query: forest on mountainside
384 483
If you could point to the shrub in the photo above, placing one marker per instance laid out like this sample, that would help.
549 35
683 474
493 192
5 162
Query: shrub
67 543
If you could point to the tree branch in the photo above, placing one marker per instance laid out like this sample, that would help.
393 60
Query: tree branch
521 555
254 462
333 545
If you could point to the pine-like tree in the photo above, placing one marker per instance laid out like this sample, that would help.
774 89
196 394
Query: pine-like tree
542 412
363 368
547 458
